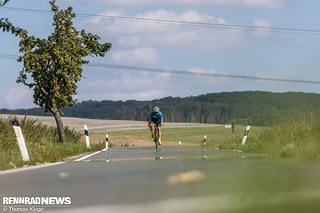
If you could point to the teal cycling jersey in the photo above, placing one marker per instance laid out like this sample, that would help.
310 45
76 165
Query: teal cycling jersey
155 117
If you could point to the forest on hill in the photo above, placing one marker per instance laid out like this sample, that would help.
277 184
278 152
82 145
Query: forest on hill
250 107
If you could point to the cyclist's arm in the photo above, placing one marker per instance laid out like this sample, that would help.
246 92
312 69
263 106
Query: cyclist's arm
150 118
161 118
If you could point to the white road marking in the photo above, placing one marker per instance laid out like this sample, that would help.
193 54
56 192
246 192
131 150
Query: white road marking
12 171
87 156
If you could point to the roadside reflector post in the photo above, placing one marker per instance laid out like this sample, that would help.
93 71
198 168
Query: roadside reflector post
107 142
20 139
86 133
204 140
245 136
232 126
107 147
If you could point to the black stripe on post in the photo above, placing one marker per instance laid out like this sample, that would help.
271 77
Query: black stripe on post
86 132
15 122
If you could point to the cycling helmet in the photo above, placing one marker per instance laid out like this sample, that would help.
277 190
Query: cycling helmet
156 109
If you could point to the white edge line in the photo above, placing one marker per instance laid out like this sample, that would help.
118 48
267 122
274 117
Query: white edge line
12 171
87 156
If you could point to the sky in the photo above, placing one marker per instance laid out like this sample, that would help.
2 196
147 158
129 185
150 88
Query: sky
232 38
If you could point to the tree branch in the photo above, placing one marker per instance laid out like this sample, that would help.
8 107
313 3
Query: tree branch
3 3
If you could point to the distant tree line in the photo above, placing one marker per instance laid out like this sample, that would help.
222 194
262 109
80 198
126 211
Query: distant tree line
251 107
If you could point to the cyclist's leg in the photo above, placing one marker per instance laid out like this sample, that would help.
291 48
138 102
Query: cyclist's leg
159 139
156 133
150 124
159 133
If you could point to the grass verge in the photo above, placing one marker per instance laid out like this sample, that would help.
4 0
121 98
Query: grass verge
294 140
42 144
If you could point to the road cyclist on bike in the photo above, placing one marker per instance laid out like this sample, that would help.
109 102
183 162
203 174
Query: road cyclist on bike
155 120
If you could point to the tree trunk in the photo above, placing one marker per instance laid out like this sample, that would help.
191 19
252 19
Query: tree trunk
59 123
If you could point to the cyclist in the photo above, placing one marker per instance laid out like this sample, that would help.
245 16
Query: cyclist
155 118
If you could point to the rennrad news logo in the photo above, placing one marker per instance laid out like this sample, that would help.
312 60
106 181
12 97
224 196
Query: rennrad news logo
33 204
39 201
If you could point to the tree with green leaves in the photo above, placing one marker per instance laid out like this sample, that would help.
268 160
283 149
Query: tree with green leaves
2 3
7 26
53 66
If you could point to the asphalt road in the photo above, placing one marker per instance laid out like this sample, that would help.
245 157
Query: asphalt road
173 179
